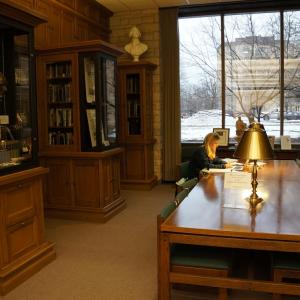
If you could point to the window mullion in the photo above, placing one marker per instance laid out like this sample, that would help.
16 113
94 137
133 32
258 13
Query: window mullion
281 71
223 83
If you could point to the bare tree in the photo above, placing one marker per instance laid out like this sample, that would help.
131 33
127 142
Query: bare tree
251 60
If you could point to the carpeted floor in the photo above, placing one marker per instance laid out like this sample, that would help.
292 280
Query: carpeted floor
111 261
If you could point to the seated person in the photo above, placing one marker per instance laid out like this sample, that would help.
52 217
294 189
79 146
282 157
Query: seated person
205 156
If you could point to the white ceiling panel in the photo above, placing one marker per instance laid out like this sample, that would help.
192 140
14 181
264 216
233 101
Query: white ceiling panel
114 5
140 4
127 5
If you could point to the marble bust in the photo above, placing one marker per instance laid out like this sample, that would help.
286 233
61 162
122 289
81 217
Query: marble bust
135 48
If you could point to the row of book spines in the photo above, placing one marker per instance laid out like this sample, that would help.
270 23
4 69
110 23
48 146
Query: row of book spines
60 138
59 70
133 85
133 109
60 117
59 93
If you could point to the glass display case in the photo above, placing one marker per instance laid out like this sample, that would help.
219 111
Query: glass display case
18 139
98 101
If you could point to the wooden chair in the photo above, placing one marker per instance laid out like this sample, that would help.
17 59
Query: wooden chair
180 196
183 170
187 185
196 260
285 265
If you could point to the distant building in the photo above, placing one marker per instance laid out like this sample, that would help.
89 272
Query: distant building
253 74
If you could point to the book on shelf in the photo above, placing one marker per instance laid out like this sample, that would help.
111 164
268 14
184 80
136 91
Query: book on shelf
59 70
60 138
59 93
60 117
134 109
132 85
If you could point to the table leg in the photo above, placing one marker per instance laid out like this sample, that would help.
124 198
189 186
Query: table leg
164 268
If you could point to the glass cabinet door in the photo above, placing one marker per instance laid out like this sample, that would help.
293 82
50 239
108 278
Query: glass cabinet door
98 102
18 140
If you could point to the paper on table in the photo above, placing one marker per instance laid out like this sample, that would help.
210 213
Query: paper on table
237 180
217 170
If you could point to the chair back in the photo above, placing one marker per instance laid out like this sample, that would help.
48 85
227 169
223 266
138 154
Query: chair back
167 210
180 196
183 169
188 185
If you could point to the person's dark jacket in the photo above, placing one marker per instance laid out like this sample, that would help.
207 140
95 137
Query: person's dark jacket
200 160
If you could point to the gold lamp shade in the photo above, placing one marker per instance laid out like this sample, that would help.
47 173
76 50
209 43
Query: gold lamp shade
254 144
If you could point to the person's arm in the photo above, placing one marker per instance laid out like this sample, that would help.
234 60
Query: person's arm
217 163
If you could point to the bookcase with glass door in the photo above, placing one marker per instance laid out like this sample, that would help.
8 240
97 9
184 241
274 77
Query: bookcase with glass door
24 249
136 119
77 99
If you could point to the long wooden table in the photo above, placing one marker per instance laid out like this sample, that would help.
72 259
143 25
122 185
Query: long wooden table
211 215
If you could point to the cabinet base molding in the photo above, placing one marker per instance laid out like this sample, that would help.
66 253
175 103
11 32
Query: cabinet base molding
132 184
87 214
20 270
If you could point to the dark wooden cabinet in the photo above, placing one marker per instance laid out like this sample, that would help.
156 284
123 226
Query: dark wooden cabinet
83 185
23 247
78 108
136 120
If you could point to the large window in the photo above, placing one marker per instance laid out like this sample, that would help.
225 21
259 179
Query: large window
240 65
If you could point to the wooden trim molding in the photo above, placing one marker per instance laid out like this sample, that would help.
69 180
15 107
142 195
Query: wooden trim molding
20 13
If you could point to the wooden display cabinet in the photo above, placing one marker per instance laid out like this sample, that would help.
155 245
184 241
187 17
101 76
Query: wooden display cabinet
78 124
137 125
24 249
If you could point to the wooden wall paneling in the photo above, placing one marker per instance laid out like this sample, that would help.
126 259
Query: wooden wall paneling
54 26
49 35
25 3
68 28
83 6
86 186
41 31
82 29
69 3
94 33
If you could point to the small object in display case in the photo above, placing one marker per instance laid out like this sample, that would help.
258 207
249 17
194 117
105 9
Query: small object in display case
18 135
98 101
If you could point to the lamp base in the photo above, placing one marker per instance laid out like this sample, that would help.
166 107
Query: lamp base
254 201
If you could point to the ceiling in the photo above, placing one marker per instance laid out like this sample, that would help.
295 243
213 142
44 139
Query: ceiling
128 5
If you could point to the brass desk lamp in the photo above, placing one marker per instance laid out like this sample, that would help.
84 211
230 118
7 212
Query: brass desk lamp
254 145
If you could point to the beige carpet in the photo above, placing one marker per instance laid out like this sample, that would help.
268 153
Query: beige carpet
111 261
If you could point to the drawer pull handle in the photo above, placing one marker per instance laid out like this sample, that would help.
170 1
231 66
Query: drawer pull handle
19 186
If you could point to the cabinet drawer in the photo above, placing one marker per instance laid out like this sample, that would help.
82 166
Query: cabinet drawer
21 238
19 202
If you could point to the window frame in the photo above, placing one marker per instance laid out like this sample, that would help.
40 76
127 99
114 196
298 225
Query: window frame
223 9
